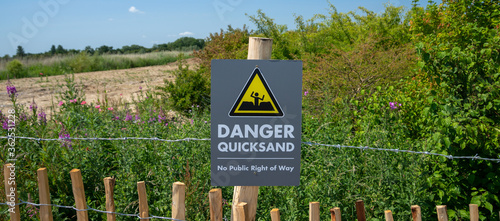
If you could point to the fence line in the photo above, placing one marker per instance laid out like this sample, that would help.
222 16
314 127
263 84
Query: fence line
450 157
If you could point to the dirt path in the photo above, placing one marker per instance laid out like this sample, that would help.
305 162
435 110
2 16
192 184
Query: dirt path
118 84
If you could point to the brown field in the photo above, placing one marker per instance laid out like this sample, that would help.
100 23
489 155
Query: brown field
118 84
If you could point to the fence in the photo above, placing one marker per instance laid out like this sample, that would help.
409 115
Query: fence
178 203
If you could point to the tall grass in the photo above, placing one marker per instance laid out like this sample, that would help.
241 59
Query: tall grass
83 62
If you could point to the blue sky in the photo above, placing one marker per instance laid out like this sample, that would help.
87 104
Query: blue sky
36 25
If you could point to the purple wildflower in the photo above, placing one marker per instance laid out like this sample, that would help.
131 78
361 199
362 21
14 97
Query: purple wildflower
42 117
11 90
394 105
128 117
64 135
306 92
137 117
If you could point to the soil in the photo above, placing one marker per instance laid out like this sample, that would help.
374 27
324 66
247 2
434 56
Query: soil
118 85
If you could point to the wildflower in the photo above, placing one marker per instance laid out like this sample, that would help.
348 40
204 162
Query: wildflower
394 105
192 121
83 102
121 94
306 92
61 103
137 117
140 87
33 105
42 117
166 124
100 110
128 117
110 108
65 138
118 118
98 106
11 90
41 74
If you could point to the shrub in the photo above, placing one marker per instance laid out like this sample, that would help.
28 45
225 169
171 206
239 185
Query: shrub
189 89
15 68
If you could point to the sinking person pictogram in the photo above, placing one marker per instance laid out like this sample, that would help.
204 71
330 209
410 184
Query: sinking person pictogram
256 99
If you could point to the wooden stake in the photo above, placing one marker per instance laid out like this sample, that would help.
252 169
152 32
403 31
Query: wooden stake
314 211
335 214
442 213
178 201
360 210
241 212
143 200
215 199
275 215
109 188
388 215
415 213
474 212
44 195
79 194
9 176
258 48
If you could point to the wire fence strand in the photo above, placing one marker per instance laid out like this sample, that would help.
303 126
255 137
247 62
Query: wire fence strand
450 157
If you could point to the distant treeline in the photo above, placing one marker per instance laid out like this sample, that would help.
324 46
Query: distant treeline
181 44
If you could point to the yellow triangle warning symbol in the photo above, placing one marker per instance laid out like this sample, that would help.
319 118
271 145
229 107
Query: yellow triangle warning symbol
256 99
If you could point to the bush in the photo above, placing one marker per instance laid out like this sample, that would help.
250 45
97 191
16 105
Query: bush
15 68
189 89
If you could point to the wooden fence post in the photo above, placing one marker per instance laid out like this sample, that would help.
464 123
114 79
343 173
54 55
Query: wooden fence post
143 200
314 211
275 215
258 48
388 215
442 213
215 200
44 195
9 173
416 213
474 212
109 187
79 194
335 214
178 201
360 210
241 212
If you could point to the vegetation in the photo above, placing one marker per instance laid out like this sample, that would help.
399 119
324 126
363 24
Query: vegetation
422 80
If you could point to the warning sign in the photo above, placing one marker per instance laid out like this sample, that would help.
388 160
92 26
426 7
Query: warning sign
256 99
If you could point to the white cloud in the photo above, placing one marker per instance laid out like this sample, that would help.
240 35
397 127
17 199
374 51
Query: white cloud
133 9
186 33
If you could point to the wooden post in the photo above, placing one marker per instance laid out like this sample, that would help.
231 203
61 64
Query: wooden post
241 212
388 215
79 194
360 210
215 200
258 48
109 187
143 200
178 201
442 213
474 212
335 213
44 195
415 213
275 215
314 211
9 176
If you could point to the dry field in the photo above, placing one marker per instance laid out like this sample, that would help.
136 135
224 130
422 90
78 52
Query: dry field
118 84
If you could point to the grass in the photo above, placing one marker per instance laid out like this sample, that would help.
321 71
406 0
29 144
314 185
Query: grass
75 63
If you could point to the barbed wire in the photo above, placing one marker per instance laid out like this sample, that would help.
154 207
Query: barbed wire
450 157
91 209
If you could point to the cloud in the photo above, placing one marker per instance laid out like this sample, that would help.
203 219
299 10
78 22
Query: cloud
111 19
186 33
133 9
144 36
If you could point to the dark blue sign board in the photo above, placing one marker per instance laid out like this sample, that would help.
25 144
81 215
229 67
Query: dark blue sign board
256 108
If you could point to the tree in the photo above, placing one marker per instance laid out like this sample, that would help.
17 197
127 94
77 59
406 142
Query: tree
53 50
20 51
60 50
89 50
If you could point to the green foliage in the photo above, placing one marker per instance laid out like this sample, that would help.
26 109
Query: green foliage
15 69
459 47
189 89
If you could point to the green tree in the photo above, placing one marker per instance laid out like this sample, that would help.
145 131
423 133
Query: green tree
53 50
20 51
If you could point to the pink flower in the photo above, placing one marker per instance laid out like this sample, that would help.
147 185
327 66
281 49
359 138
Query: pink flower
84 102
61 103
110 108
306 92
41 73
72 101
100 110
98 106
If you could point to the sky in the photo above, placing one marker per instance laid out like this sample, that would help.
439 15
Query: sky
75 24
